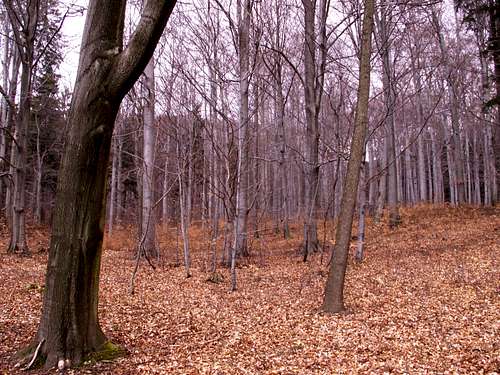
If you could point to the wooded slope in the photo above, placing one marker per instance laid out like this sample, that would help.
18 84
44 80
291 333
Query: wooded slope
425 300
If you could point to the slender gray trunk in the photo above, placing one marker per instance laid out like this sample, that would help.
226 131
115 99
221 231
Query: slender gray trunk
240 227
148 226
361 221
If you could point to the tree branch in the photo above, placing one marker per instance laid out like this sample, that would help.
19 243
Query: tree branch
130 63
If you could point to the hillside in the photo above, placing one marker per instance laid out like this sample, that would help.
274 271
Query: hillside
425 300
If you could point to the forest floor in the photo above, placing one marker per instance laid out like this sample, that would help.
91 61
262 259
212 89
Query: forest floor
424 301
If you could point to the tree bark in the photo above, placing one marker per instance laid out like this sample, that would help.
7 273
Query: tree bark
240 227
390 102
311 168
148 226
69 327
334 291
24 29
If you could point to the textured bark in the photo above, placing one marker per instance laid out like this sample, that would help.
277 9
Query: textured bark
334 291
69 325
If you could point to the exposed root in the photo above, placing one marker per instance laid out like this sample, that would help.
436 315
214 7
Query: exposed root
25 357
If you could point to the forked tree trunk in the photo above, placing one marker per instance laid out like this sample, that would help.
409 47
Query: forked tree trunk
334 291
69 326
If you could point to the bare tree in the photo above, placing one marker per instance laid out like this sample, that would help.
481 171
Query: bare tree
148 218
334 291
69 327
240 228
24 23
314 75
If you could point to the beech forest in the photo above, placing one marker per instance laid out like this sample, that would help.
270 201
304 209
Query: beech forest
250 187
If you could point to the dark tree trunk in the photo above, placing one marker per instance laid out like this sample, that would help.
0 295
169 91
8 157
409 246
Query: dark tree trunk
69 323
69 327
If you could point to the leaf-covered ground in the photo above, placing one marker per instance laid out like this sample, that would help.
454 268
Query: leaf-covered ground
424 301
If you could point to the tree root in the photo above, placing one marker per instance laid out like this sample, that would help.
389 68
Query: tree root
30 362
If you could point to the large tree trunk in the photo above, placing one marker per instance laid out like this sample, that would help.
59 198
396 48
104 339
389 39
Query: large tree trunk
334 291
69 326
